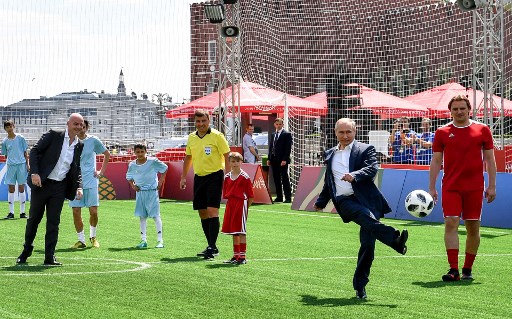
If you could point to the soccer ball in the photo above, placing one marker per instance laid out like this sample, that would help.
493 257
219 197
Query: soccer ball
419 203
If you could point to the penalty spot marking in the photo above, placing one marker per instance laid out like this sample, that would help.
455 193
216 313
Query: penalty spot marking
138 266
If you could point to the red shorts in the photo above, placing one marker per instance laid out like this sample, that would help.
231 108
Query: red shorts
235 216
464 204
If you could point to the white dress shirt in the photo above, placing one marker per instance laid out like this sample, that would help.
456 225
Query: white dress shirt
340 166
66 157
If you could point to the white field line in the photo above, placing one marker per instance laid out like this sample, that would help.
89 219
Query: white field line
95 261
335 216
147 265
376 257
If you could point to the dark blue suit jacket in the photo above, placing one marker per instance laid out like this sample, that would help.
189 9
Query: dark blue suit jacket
363 166
44 156
282 148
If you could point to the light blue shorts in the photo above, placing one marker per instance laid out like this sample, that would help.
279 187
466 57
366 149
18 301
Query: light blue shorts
16 173
90 198
147 204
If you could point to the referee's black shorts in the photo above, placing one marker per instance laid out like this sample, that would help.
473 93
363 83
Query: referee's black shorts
208 190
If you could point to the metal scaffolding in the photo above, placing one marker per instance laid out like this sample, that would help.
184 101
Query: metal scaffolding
229 117
488 54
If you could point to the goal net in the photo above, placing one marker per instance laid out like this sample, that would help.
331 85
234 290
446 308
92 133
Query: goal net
359 58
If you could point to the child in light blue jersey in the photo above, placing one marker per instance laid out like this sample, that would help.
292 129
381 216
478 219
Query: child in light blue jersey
90 181
142 175
15 147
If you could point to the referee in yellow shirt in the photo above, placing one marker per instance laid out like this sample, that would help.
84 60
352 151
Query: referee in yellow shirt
207 151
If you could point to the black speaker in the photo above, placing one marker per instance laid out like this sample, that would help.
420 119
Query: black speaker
229 32
468 5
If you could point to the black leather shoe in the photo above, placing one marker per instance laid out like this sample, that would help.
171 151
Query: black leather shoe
287 201
27 252
21 260
401 240
278 200
361 293
52 261
215 252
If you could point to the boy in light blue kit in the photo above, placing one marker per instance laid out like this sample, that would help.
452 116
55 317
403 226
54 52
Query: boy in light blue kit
142 175
15 147
90 182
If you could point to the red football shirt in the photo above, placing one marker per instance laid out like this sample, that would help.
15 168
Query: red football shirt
240 188
237 192
462 154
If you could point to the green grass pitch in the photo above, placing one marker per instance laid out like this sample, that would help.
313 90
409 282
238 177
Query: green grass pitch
300 265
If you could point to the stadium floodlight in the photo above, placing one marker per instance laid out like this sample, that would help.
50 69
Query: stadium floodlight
467 5
214 12
230 1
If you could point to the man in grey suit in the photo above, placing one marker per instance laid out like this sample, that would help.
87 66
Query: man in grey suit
349 183
54 175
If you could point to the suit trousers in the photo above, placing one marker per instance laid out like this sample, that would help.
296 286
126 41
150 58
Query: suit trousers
281 180
371 229
50 197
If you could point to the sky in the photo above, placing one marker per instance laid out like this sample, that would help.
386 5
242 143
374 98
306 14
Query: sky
54 46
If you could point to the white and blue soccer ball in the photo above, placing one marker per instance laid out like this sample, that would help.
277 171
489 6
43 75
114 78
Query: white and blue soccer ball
419 203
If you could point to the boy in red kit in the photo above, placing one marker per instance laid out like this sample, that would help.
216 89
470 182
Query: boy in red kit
462 147
237 189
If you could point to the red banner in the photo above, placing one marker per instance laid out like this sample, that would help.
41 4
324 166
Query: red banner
259 185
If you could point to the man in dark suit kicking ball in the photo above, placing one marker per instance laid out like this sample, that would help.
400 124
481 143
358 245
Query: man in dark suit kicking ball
54 175
351 169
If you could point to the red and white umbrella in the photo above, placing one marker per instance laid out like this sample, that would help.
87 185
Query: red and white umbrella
386 105
254 98
437 99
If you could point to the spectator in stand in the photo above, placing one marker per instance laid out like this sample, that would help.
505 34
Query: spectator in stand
402 139
393 142
424 140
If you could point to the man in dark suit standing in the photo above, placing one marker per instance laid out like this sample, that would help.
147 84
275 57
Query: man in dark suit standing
54 175
349 183
279 158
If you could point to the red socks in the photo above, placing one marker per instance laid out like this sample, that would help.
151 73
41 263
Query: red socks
243 249
453 258
468 262
236 251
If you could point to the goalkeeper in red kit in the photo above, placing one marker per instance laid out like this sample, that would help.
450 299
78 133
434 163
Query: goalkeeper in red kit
237 189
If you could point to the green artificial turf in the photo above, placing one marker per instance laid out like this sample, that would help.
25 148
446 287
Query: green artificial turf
300 265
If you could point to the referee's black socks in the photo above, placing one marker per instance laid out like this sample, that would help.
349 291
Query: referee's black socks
205 223
213 232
